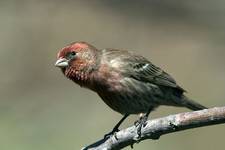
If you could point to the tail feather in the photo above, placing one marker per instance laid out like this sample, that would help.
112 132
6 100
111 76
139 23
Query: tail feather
192 104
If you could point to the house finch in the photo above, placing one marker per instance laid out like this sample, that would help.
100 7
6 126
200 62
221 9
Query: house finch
126 82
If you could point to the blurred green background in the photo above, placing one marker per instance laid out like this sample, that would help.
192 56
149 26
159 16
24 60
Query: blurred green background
42 110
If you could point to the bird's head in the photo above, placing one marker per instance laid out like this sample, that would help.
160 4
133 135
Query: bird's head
77 59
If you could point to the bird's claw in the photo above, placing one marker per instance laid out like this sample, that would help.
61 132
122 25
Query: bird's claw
108 135
139 124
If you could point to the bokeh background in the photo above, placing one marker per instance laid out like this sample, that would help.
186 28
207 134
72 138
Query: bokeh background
42 110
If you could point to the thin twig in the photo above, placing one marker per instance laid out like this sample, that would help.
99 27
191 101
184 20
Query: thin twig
157 127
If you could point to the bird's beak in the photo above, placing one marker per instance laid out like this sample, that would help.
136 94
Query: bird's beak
62 63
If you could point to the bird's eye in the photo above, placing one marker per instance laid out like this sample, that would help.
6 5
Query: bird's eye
73 53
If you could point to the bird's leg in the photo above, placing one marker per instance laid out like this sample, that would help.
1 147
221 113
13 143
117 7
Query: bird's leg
116 128
141 122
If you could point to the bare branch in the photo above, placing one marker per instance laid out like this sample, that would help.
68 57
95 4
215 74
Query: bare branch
157 127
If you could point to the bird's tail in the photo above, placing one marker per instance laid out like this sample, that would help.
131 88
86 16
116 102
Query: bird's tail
192 104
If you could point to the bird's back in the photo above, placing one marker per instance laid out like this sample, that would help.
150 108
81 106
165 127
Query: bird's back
129 83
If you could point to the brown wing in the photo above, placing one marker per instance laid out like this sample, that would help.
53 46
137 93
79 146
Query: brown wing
141 69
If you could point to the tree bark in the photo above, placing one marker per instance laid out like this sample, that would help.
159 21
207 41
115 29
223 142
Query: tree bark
157 127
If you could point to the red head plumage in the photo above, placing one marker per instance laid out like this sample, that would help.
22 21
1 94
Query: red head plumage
77 60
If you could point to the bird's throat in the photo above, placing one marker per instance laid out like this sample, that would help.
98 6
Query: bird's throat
78 76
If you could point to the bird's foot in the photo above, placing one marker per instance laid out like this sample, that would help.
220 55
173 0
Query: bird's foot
108 135
140 123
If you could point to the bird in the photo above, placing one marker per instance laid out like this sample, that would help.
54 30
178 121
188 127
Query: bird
127 82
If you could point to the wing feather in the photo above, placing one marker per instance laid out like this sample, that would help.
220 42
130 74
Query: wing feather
139 68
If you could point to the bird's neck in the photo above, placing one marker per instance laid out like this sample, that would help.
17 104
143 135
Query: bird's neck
81 77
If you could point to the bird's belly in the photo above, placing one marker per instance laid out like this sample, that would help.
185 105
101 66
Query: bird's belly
130 98
127 104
